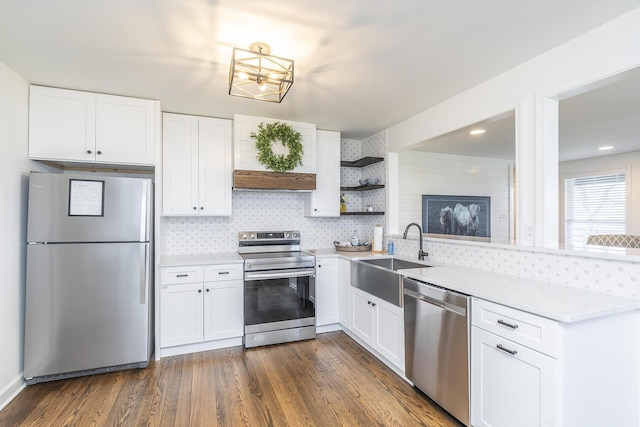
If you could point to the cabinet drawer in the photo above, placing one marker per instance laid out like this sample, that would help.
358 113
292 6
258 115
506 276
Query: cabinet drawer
216 273
532 331
177 275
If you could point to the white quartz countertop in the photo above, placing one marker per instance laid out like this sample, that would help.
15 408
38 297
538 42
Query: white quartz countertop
557 302
554 301
200 259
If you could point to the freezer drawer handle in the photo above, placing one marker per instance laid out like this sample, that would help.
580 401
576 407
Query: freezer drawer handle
182 275
508 325
223 272
506 350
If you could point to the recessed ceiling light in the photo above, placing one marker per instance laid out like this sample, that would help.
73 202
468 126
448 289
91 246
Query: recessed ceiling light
477 132
605 147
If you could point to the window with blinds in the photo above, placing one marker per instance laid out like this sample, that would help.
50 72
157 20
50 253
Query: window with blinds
594 205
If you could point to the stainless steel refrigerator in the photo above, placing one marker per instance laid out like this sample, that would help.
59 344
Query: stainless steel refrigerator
88 283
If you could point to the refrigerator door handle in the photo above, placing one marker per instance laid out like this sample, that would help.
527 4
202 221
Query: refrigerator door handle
143 212
144 276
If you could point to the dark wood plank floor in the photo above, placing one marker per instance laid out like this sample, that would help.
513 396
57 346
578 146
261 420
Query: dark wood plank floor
330 381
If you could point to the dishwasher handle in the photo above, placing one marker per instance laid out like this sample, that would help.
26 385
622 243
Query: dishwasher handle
442 304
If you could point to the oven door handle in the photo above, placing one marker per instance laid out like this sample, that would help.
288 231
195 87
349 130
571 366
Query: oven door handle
279 274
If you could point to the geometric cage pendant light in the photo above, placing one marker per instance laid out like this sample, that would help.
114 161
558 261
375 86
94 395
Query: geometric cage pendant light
256 74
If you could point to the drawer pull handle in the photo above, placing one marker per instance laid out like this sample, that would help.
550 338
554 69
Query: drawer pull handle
223 272
182 275
508 325
511 352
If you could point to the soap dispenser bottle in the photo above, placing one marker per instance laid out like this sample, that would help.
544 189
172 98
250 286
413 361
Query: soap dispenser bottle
354 239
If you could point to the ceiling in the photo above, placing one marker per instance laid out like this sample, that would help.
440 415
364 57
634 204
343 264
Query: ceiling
360 65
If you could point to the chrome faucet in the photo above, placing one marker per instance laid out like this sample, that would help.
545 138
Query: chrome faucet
421 252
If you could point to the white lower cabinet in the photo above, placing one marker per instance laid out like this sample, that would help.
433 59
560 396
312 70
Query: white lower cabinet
200 304
223 302
181 320
527 370
509 387
326 291
380 325
344 293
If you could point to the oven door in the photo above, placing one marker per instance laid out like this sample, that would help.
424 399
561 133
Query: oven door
278 299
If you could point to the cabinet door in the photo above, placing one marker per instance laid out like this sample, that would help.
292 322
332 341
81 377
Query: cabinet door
362 315
223 310
125 130
181 319
215 166
344 292
389 332
510 389
326 291
180 165
324 201
61 124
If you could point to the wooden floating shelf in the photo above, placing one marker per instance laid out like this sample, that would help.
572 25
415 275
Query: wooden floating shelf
360 163
273 180
361 213
362 187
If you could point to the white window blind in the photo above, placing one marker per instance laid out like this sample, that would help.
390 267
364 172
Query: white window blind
594 205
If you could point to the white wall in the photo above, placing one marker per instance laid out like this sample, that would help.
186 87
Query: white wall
14 171
443 174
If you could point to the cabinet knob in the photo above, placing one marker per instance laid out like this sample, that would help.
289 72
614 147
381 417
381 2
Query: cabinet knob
369 302
319 265
207 289
98 152
201 208
199 291
88 151
373 304
194 208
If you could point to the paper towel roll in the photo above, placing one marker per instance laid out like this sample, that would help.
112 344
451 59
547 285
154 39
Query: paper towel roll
377 238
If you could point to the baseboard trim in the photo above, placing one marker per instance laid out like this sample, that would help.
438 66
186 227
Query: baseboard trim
204 346
11 390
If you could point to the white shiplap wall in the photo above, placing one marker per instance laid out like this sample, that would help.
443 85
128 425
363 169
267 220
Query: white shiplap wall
245 153
443 174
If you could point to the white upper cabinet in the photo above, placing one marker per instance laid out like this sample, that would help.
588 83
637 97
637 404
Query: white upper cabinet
125 130
75 126
197 166
324 201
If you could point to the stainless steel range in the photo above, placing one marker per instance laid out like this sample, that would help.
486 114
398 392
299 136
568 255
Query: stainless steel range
278 281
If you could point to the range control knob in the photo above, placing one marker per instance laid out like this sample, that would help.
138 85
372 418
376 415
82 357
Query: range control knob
253 236
295 235
287 235
244 235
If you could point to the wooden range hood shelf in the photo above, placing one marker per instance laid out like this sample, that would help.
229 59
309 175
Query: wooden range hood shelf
261 180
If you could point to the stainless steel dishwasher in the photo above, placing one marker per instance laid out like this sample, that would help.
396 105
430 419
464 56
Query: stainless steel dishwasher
436 331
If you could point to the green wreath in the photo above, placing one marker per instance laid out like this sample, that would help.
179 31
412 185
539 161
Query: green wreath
290 138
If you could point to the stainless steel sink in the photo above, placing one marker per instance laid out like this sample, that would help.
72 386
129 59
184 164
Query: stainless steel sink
393 263
379 277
